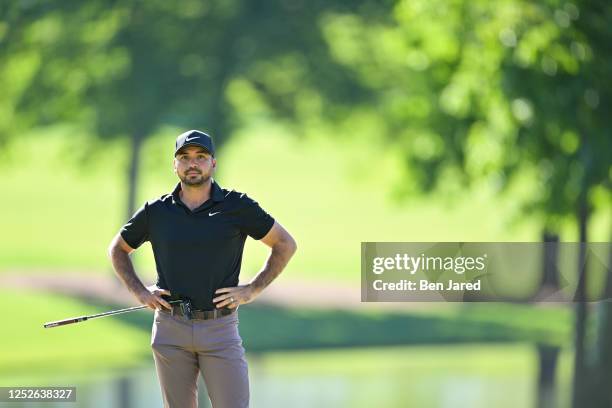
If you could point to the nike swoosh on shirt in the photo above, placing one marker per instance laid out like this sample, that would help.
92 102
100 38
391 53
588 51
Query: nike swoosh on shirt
213 213
189 140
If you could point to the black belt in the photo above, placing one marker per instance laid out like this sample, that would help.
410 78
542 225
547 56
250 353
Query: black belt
197 314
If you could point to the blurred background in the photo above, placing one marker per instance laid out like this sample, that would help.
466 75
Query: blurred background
348 121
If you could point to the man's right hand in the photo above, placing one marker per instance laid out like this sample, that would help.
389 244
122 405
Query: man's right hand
152 297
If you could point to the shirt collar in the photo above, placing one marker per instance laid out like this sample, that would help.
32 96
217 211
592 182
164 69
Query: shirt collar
215 192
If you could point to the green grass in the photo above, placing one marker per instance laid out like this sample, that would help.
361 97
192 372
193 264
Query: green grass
27 346
296 329
62 207
124 339
292 329
57 213
480 359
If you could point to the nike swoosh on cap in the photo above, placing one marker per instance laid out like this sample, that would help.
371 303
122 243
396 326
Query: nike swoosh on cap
193 138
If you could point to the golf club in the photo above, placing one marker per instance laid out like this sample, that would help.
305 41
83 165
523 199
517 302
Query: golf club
84 318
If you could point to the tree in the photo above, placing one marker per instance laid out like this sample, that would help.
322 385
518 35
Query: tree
125 69
474 91
469 91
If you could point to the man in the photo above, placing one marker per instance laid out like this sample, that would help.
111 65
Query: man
197 234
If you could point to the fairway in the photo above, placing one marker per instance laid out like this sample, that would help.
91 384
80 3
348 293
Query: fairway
102 343
335 194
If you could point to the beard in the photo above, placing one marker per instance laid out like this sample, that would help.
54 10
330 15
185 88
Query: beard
194 179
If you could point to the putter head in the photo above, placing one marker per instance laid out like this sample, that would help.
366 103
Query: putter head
187 309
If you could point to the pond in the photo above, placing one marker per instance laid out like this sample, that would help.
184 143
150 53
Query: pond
417 376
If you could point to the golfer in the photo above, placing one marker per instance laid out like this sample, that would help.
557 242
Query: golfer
197 233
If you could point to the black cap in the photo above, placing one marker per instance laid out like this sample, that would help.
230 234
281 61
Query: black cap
194 138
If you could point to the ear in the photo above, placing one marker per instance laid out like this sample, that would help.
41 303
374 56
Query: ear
174 164
214 163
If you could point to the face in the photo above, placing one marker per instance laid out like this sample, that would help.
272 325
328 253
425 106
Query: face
194 166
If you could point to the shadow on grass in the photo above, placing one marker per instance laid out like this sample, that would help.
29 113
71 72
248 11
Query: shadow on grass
271 328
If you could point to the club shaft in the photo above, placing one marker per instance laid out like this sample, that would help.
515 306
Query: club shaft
94 316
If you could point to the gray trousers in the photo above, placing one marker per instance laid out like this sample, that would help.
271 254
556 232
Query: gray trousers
184 348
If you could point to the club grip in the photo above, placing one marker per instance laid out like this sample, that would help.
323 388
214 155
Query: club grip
65 322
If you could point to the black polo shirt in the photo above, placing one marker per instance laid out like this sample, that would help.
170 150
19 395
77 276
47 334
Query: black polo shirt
197 252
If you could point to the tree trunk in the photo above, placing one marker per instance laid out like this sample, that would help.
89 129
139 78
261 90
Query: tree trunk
550 278
124 392
132 179
580 394
548 356
132 183
603 351
549 284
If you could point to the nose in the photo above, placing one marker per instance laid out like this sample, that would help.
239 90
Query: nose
193 166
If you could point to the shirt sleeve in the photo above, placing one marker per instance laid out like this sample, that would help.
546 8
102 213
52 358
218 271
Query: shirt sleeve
136 231
254 221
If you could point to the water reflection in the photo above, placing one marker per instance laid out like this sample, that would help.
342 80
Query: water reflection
499 376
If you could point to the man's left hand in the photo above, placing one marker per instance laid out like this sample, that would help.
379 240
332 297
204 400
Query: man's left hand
234 296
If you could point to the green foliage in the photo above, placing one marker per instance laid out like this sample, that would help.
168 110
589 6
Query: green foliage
465 90
473 90
128 68
555 72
